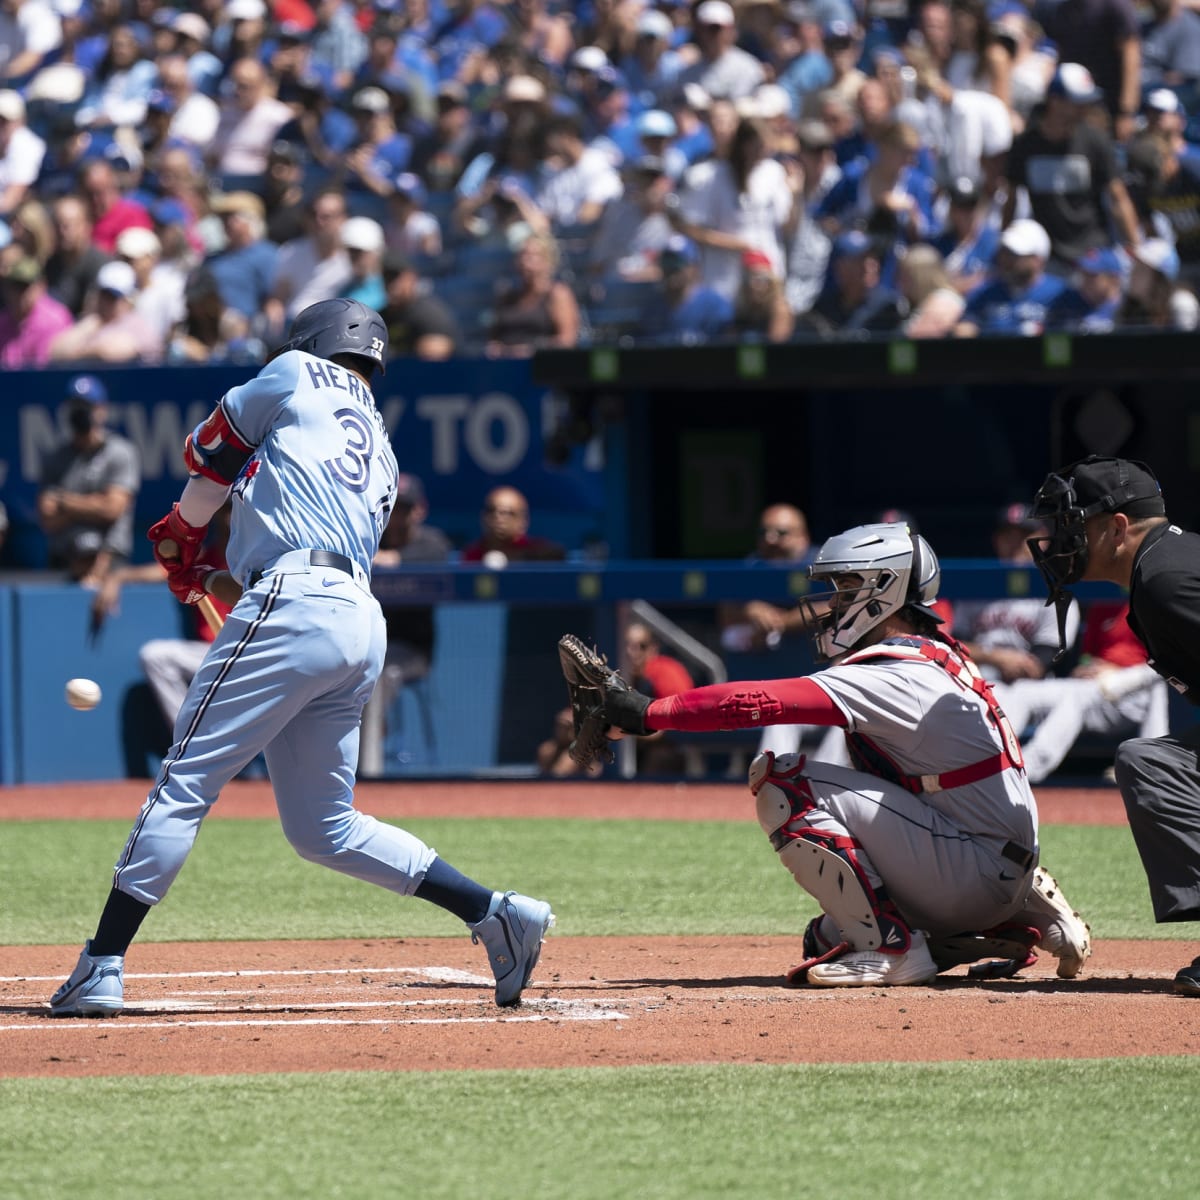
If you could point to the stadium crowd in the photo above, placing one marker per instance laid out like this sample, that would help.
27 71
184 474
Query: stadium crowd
176 184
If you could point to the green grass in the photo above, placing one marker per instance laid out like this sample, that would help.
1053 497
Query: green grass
1069 1129
604 877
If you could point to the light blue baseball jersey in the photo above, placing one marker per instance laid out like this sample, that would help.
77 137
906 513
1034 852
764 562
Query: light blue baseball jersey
322 475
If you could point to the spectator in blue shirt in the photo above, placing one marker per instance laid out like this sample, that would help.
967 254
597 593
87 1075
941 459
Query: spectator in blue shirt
854 299
651 67
1015 302
687 312
244 271
810 70
1171 44
969 241
1091 305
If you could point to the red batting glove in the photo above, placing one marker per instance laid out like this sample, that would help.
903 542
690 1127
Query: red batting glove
187 583
186 538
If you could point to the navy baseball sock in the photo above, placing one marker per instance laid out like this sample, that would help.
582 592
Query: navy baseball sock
119 923
453 891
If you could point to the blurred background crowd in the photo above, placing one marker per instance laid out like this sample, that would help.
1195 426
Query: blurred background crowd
496 177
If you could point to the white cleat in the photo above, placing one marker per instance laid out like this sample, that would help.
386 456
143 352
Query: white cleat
1068 937
870 968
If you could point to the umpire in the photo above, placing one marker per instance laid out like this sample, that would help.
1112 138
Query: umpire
1107 521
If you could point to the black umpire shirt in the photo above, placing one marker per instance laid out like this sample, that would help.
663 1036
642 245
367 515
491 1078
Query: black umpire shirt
1164 606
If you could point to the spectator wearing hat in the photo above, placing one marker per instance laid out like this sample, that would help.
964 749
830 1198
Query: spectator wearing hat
87 489
1102 36
313 267
71 269
1016 299
111 212
159 297
605 115
192 38
244 271
30 318
410 228
760 309
30 31
1066 166
250 119
969 239
182 249
1170 45
21 153
854 299
117 91
576 191
379 150
633 228
651 67
1163 172
685 311
1091 304
243 31
419 325
110 329
440 155
722 67
656 131
364 243
808 245
729 206
842 42
194 117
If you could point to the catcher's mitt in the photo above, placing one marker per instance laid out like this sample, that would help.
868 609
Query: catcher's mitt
599 698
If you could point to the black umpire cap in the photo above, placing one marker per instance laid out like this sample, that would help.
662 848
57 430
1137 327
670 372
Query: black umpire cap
1116 485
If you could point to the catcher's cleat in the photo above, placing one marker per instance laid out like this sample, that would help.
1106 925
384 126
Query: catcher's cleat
1068 937
873 968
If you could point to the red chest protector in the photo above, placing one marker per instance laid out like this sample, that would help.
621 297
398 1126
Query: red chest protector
956 662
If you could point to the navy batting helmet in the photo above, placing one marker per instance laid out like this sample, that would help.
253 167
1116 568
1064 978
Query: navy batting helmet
332 327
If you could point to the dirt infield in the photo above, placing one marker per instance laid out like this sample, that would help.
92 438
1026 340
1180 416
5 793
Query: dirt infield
402 1004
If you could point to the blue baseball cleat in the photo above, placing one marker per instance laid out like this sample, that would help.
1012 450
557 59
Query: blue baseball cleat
512 934
96 988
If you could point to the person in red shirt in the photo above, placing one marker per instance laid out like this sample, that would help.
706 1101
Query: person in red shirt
111 212
656 675
506 537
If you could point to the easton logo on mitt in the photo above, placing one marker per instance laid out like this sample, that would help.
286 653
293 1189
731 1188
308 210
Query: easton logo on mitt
599 699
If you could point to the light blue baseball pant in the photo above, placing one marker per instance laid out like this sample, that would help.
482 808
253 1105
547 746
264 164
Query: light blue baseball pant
288 675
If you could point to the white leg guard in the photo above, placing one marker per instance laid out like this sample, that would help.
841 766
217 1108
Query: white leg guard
781 800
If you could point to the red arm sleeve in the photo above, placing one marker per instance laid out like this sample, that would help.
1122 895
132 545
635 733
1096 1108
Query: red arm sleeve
744 705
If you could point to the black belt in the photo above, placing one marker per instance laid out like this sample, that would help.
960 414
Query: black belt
317 558
1018 854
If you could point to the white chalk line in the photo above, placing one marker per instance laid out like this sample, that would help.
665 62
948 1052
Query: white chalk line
436 974
530 1011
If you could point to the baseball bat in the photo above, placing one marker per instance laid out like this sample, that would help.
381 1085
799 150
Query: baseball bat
169 548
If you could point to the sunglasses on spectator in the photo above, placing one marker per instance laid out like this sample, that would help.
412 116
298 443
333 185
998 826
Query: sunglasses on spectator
495 510
638 645
778 531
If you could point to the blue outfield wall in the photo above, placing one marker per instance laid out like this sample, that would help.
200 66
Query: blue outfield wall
491 696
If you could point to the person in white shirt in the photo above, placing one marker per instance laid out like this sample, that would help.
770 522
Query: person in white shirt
577 192
21 153
196 116
723 69
729 206
311 268
159 297
250 119
29 31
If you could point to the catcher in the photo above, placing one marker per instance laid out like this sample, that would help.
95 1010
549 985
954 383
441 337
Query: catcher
932 832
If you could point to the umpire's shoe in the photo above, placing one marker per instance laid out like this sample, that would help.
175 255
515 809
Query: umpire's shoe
512 934
1187 981
96 987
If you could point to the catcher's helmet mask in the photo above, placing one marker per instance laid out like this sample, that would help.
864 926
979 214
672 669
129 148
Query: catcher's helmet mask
873 572
331 328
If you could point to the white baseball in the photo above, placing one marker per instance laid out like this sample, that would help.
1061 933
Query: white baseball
495 560
83 694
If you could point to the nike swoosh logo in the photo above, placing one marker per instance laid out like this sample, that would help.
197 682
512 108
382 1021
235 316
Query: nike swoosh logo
330 582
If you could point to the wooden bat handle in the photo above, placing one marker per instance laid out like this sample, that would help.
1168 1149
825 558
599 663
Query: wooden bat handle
209 611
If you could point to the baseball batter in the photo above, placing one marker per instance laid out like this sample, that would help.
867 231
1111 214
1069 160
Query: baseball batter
306 457
933 831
